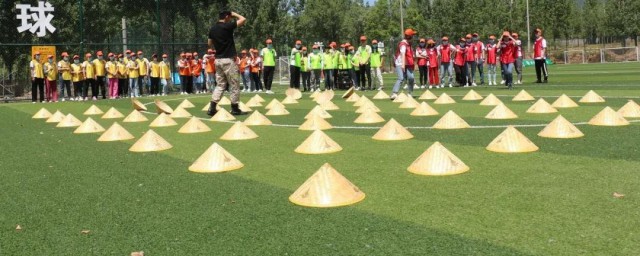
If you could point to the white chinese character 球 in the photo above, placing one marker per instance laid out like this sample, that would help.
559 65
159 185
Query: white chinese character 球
40 17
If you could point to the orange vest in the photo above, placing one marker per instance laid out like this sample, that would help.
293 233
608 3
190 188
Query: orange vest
196 67
243 64
254 68
183 67
211 64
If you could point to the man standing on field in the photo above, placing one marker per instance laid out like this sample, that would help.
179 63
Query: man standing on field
221 38
539 56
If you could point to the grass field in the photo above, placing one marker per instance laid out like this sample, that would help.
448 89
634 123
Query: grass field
556 201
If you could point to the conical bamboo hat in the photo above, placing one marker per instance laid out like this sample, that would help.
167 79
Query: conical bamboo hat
277 110
381 95
424 110
69 121
273 103
224 101
368 106
472 95
437 161
186 104
243 107
564 102
180 113
194 125
112 113
150 142
409 103
134 117
361 101
511 141
392 130
329 105
523 96
163 120
254 103
314 94
369 116
608 117
318 143
222 116
630 110
56 117
348 93
490 100
591 97
560 128
93 110
137 105
115 133
451 120
400 98
541 107
162 107
326 188
444 99
353 98
428 95
239 131
293 93
43 113
89 126
501 112
215 159
289 100
324 96
315 123
317 110
258 98
206 107
256 118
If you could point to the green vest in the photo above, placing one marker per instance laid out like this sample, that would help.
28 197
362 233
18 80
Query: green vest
316 62
342 61
328 61
355 59
375 60
268 57
336 59
304 65
363 51
348 60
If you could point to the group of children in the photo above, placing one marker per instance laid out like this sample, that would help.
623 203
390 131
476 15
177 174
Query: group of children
119 76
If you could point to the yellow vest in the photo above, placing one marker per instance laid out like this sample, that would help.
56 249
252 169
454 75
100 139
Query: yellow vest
66 74
52 71
155 69
165 71
77 72
37 69
134 71
142 66
112 68
89 71
99 66
122 70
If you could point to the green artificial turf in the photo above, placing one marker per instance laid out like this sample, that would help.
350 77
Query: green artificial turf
556 201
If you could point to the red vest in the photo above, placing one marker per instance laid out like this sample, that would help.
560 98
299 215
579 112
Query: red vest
491 53
507 52
471 52
433 57
537 48
422 52
408 55
459 60
445 53
479 48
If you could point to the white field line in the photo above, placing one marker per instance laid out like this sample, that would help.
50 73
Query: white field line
408 127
